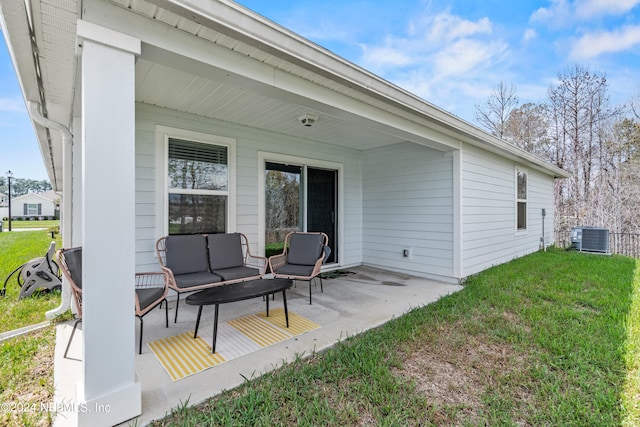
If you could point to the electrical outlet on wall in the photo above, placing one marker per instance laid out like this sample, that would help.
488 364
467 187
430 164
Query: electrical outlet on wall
407 253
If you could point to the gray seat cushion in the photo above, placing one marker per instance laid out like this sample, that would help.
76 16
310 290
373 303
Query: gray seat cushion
234 273
225 251
189 280
295 270
73 259
148 296
186 254
304 249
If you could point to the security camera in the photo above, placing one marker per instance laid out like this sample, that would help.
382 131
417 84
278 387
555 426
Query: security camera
308 120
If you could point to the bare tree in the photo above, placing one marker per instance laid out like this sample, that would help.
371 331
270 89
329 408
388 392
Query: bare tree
580 116
526 128
494 114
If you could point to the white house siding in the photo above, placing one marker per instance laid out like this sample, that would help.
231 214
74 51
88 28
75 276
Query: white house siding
489 210
408 203
249 143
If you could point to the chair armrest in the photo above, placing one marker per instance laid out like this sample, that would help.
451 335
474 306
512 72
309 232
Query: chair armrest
169 277
257 262
276 261
149 280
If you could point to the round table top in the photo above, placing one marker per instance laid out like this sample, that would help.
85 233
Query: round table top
238 291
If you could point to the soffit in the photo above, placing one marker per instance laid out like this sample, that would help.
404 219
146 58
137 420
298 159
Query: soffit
213 98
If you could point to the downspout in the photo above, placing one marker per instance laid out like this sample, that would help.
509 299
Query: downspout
67 143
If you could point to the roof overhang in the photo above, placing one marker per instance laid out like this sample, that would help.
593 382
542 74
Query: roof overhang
256 64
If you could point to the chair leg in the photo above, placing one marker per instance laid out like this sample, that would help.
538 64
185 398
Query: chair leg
75 326
309 292
166 312
175 320
141 328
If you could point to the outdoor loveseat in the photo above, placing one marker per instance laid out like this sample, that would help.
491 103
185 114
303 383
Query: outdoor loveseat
200 261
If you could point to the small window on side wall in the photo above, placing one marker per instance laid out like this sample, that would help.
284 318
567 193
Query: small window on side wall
521 200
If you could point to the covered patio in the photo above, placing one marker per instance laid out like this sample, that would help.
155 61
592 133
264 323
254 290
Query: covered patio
350 304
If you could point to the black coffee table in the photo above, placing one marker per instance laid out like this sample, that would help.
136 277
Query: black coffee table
238 292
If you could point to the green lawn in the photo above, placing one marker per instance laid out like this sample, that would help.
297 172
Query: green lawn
548 339
26 362
16 248
16 225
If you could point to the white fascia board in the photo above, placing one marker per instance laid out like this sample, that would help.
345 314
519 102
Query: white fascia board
90 31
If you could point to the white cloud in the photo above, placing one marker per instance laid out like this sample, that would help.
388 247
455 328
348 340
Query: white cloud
529 34
595 44
385 56
466 55
592 8
441 57
12 104
445 27
557 14
563 13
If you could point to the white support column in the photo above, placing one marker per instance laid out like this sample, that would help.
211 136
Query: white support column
458 255
108 393
75 183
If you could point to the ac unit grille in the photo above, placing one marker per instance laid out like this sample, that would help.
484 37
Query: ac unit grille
590 239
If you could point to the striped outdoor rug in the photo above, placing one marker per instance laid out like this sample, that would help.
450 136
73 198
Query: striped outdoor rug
181 355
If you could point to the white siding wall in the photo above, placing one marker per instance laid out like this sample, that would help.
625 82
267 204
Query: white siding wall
489 210
248 143
408 203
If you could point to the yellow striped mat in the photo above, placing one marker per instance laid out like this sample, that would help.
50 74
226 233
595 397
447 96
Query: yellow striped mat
181 355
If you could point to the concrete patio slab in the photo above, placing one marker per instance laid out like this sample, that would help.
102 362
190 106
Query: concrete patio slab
348 306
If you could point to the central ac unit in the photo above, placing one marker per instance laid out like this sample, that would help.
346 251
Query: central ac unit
590 239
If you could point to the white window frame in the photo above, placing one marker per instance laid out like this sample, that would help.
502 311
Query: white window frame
525 200
33 206
163 134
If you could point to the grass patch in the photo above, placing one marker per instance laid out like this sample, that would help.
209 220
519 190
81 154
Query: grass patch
16 248
26 362
542 340
17 225
26 379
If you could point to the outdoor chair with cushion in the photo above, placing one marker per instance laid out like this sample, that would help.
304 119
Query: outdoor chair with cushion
301 258
198 261
151 290
70 262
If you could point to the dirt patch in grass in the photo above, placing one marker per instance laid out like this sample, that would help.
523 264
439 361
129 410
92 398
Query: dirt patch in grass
455 374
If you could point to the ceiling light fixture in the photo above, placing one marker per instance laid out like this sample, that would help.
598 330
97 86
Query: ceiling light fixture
308 120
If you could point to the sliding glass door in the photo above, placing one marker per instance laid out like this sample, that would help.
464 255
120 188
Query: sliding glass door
300 198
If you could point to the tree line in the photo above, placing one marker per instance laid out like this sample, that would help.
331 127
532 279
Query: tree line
22 186
577 129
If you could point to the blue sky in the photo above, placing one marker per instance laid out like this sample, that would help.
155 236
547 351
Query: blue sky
451 53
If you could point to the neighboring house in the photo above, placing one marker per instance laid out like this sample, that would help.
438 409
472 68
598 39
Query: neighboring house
121 92
35 205
3 199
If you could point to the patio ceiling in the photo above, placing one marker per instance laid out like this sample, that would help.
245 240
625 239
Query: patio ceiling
209 97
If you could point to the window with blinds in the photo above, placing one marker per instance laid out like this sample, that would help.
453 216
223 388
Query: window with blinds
198 185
